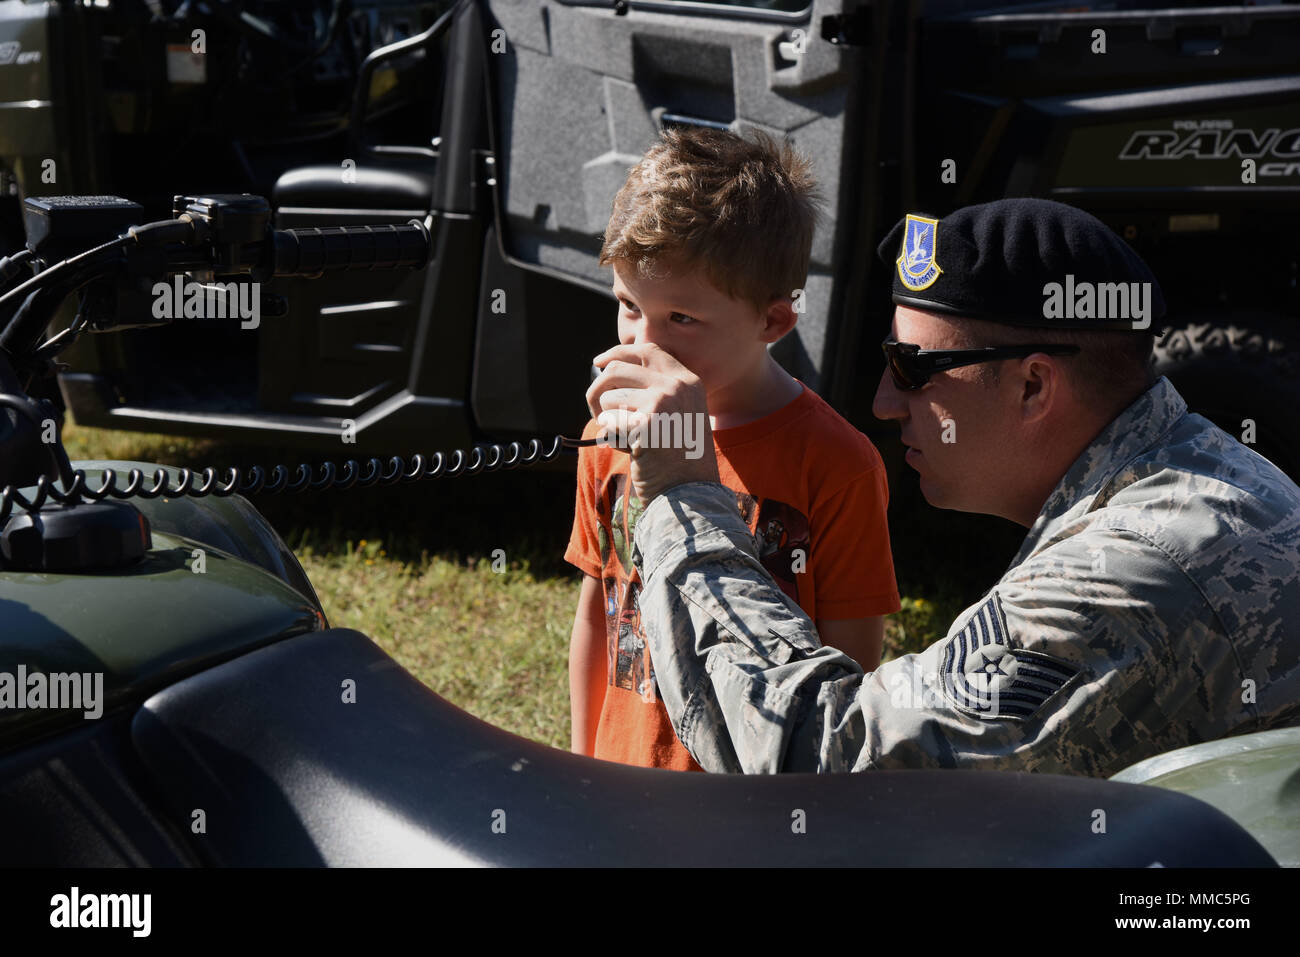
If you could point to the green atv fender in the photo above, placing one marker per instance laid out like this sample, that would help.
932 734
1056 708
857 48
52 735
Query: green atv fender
216 583
1252 778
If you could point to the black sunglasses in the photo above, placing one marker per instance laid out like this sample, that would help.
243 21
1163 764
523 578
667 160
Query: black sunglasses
911 366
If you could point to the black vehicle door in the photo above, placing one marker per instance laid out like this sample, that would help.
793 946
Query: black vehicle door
579 91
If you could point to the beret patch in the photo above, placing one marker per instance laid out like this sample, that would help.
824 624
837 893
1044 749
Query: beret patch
917 269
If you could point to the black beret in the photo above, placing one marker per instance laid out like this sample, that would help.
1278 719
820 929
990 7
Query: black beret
1025 262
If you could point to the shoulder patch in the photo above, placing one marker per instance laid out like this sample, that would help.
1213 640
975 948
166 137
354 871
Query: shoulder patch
986 677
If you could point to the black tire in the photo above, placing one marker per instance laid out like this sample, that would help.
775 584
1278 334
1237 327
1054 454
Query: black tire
1240 367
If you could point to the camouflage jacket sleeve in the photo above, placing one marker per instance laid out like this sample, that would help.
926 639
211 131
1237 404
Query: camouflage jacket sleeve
1059 668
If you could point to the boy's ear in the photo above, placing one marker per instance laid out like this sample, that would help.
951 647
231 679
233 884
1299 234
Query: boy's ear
779 318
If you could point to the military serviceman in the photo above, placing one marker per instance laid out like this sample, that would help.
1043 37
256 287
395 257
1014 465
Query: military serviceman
1155 602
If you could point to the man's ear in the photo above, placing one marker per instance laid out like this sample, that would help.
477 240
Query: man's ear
778 319
1043 387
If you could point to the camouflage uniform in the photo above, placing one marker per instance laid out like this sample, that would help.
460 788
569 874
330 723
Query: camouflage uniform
1154 604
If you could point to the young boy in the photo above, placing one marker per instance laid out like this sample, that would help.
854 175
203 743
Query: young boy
710 239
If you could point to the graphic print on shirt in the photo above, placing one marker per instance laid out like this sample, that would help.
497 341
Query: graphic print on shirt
628 664
779 529
618 505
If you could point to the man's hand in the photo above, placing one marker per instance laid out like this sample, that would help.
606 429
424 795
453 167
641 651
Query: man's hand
637 385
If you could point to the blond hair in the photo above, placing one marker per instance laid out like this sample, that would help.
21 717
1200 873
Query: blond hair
742 210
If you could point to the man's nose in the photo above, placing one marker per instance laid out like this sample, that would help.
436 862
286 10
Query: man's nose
889 402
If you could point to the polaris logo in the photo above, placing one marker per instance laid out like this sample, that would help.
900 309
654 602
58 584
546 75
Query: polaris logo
1217 140
11 52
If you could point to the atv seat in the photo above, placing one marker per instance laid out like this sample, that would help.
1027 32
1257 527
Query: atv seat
308 195
325 751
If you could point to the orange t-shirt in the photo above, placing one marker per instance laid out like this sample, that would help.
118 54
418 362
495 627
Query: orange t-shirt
812 489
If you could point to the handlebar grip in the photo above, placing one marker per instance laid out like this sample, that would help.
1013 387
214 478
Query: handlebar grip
310 251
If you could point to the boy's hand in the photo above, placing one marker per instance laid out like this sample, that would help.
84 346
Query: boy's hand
637 384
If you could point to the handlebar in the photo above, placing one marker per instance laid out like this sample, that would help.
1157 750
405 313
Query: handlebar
214 236
311 251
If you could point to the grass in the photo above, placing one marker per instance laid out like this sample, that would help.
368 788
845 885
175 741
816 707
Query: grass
462 580
494 643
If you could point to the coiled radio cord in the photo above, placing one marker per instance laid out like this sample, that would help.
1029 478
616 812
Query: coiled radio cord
390 470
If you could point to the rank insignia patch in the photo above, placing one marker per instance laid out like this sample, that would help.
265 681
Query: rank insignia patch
916 266
983 676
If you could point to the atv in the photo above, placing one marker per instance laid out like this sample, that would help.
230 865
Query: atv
171 692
